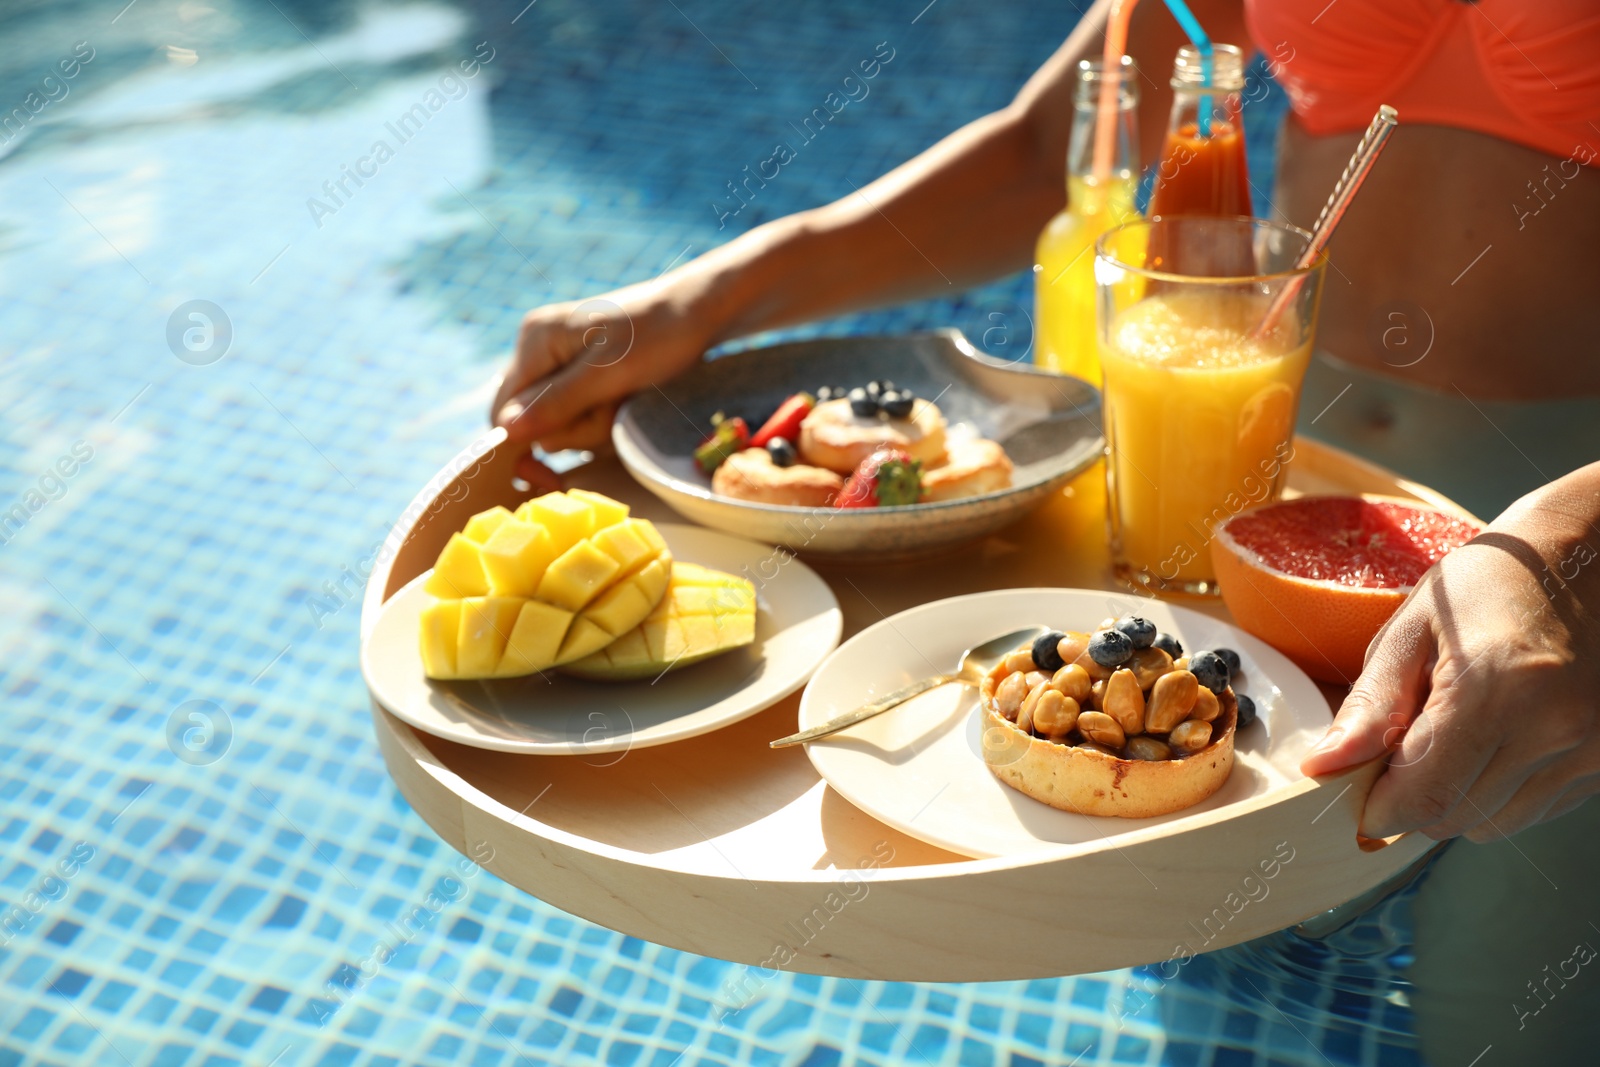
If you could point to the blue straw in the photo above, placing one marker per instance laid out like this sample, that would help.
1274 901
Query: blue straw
1202 44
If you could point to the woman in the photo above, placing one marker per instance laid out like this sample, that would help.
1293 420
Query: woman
1454 351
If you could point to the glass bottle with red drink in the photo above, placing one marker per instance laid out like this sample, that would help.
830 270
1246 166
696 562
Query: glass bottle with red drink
1203 169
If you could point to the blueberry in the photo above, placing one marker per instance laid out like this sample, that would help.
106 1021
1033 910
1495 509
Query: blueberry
1231 658
897 404
782 452
878 386
1045 656
1211 670
1110 648
830 392
1168 644
1141 631
863 403
1247 712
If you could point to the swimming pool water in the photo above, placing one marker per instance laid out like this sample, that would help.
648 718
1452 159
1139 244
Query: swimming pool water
202 859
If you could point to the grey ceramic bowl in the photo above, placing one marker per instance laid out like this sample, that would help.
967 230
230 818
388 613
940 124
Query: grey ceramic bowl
1048 424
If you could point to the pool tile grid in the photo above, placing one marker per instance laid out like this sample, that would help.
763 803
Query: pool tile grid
228 909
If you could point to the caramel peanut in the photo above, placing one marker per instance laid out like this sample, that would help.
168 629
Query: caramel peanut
1098 726
1008 695
1149 664
1190 736
1072 645
1055 715
1171 701
1020 662
1146 747
1124 702
1073 681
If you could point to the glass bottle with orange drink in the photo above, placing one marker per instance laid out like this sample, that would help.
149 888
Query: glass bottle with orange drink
1063 271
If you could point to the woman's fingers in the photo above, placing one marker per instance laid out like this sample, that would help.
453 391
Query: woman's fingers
1572 799
1442 778
536 474
1380 707
555 404
541 351
592 430
1546 793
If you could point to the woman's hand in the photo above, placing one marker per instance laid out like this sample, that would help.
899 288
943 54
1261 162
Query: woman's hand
577 361
1485 685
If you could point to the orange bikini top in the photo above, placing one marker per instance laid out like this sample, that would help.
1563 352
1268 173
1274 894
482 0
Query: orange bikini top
1528 72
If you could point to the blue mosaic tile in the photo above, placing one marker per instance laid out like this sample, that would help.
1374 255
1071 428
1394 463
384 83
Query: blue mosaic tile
215 900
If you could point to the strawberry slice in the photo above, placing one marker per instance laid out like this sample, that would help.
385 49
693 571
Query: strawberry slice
887 478
785 422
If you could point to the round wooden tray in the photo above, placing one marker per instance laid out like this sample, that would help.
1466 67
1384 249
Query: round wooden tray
721 846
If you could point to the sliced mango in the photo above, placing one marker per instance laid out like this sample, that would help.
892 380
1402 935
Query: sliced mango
459 571
535 640
654 576
684 574
712 599
621 604
576 576
568 520
486 623
583 638
441 621
627 543
703 613
557 580
482 526
607 512
516 557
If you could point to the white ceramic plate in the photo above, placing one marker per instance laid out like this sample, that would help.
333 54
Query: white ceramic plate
797 625
919 767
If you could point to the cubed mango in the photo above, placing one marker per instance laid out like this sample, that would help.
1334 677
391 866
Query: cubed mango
516 557
459 571
576 576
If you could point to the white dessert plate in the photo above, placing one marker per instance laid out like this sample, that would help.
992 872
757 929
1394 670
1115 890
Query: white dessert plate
797 624
920 769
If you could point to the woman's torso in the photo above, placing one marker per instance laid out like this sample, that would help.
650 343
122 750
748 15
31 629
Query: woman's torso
1433 275
1477 248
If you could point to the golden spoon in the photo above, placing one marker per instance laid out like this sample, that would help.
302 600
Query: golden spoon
975 663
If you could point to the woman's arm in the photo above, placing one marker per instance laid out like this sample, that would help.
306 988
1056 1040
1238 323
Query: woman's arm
966 210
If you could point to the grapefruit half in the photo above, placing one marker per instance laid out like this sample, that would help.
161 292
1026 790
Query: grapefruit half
1317 577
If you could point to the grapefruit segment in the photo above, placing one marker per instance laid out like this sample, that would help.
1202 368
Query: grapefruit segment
1317 577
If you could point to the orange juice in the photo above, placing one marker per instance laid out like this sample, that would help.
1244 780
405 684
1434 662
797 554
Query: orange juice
1199 419
1063 273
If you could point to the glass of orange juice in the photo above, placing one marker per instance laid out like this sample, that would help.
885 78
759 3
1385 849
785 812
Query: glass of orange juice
1201 383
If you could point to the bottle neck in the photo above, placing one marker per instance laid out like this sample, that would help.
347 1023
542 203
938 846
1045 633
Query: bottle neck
1206 92
1222 110
1125 152
1096 79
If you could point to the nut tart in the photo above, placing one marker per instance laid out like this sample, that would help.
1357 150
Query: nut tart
1119 731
